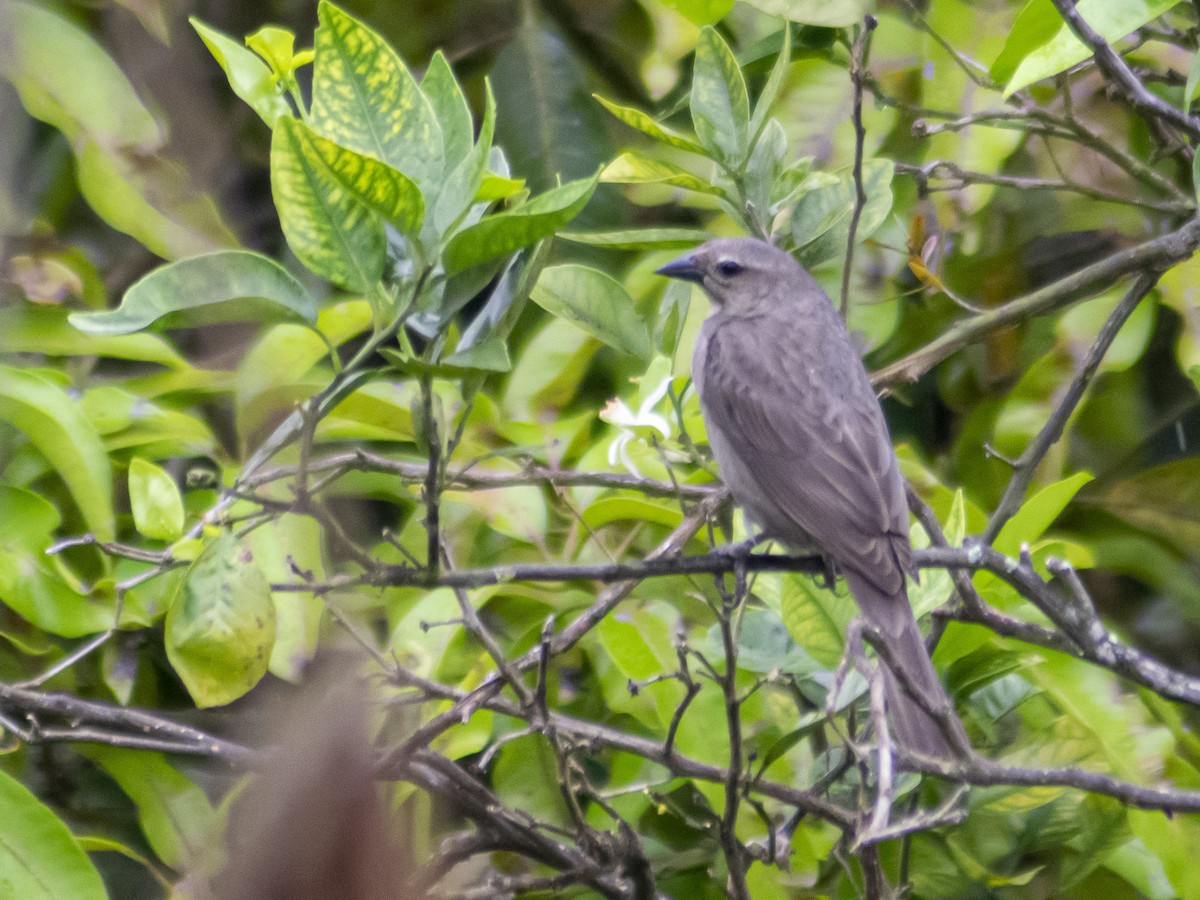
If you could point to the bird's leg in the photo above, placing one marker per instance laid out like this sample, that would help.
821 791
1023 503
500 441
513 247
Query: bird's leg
739 550
828 573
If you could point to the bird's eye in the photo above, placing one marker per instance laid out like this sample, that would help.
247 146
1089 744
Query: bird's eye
728 267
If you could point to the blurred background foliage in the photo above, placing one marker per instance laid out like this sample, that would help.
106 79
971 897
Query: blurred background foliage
124 147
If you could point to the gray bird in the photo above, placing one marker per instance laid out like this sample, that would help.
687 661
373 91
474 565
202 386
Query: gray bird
802 444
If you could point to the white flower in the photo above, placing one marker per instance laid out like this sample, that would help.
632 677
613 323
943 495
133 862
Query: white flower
618 413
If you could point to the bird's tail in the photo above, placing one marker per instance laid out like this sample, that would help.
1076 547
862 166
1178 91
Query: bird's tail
912 727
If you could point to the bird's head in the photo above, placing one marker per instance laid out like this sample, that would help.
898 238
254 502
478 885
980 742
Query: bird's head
736 273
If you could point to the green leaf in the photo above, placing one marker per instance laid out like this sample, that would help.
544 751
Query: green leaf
770 93
221 625
116 140
719 102
175 816
39 857
154 497
635 118
463 183
548 125
390 193
29 585
56 426
639 238
365 99
817 618
151 199
275 45
248 76
764 645
1041 44
633 168
45 329
1038 513
596 303
1193 82
88 97
502 233
821 217
202 290
276 544
450 108
607 510
828 13
331 232
487 356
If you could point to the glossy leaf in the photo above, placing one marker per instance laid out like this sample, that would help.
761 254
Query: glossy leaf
249 77
450 108
821 217
201 290
365 99
32 329
1041 44
55 425
635 118
462 184
719 102
829 13
505 232
639 238
633 168
816 617
40 859
329 230
221 625
155 500
595 302
770 92
377 185
548 124
175 816
29 584
1038 513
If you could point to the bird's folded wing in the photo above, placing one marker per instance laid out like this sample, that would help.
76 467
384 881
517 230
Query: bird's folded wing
817 445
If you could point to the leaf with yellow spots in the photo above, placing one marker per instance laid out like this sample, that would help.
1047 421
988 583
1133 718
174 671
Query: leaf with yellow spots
366 99
328 228
390 193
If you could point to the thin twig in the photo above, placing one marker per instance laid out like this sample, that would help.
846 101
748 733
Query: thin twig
1026 465
858 60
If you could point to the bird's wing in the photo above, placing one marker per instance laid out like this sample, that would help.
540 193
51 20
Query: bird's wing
813 439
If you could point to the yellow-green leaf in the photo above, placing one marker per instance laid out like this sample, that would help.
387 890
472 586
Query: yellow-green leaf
330 231
635 118
366 99
221 625
154 497
40 859
57 427
389 192
633 168
248 75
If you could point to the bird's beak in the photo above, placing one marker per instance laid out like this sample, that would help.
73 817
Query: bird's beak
684 268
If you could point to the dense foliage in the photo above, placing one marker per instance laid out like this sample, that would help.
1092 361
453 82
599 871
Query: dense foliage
357 353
